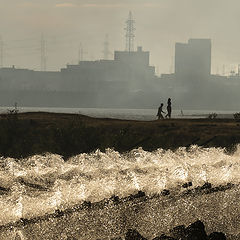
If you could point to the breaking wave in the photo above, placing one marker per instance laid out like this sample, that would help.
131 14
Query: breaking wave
43 183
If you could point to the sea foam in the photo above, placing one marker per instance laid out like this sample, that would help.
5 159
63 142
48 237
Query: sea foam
43 183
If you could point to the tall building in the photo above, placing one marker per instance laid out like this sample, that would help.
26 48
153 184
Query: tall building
193 58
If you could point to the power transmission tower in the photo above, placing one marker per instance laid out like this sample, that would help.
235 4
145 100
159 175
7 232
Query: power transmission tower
1 52
130 33
43 53
81 53
106 51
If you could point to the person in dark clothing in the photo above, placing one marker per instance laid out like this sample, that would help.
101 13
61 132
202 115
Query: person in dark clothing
169 108
160 111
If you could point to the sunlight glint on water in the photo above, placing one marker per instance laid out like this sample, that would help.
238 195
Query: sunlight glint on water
41 184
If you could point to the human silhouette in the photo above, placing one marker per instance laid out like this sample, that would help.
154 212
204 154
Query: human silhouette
169 108
160 111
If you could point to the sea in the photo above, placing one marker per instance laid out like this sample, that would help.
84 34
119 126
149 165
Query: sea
43 184
127 114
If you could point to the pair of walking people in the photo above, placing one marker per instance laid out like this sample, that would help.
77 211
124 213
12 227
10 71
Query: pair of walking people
169 110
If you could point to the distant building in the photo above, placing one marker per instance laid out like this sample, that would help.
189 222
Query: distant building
138 59
193 58
128 71
127 81
89 83
14 79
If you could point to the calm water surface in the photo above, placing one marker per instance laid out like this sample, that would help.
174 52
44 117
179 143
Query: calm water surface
129 114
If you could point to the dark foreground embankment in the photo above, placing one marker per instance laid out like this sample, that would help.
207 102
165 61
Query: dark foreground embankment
27 134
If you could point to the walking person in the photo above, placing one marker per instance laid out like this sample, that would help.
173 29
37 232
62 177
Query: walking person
169 108
160 111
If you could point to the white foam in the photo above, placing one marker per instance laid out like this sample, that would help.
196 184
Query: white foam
99 175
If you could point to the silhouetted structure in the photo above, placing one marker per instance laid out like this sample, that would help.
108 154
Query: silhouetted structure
193 58
127 81
128 78
129 71
192 83
130 28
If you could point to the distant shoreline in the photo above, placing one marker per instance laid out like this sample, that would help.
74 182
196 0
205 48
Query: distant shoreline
145 114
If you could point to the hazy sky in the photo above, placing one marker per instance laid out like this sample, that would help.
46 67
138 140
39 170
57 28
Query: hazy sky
159 23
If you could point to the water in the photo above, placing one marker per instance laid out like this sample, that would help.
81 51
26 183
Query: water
43 183
128 114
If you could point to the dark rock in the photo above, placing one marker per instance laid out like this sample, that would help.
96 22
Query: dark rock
140 194
178 232
3 189
198 225
133 234
206 185
217 236
164 237
188 191
205 188
87 204
24 221
186 185
115 199
229 185
196 231
165 192
223 187
58 213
